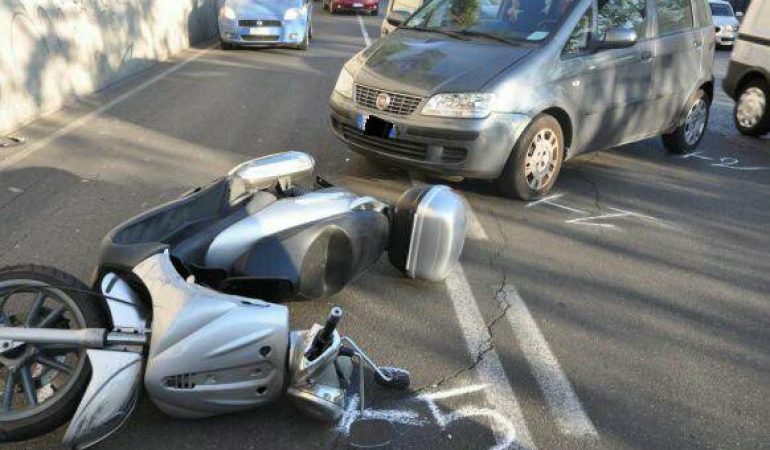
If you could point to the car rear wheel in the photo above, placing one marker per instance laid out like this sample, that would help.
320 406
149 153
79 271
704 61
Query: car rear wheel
752 111
688 135
42 384
535 161
225 45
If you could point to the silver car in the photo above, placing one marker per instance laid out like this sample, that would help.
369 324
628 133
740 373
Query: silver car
260 23
507 90
725 23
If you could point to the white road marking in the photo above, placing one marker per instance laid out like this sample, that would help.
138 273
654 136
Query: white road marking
82 120
367 40
489 369
561 398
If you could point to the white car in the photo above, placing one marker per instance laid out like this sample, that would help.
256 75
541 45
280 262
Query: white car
725 22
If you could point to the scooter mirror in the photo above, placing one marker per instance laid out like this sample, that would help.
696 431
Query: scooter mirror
278 169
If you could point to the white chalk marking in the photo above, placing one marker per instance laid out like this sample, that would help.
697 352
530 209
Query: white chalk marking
80 121
697 155
557 390
367 40
490 370
442 395
394 416
621 213
550 201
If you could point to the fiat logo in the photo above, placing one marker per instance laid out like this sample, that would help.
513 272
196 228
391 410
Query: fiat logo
382 102
259 23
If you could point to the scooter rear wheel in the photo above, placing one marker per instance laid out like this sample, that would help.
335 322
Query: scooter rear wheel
41 385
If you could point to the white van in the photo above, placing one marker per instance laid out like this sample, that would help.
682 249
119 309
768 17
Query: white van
748 75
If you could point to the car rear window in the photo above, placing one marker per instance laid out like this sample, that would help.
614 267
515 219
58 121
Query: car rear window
720 9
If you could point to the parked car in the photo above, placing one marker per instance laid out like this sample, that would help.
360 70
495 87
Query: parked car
366 6
725 22
261 23
748 74
510 94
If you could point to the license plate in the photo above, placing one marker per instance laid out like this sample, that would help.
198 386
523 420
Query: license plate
358 5
264 31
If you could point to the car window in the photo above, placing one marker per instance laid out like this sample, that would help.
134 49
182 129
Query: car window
504 20
674 16
631 14
721 9
579 41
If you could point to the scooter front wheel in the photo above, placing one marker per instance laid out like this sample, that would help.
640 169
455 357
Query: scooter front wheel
42 384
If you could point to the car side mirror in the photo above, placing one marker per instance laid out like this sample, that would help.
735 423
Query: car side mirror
618 38
397 17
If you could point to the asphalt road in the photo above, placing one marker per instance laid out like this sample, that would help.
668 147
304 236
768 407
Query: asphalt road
628 311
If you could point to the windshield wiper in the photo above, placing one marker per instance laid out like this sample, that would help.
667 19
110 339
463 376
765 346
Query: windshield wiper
450 33
485 35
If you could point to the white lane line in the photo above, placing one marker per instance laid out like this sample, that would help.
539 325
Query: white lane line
489 369
561 398
80 121
499 392
367 40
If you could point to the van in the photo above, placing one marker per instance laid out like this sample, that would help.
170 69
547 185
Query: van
748 73
506 90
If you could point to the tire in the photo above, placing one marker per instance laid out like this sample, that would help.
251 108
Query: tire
686 137
754 105
376 12
515 181
59 408
225 45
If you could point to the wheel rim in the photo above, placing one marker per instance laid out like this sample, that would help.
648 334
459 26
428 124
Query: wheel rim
34 377
541 159
751 107
695 123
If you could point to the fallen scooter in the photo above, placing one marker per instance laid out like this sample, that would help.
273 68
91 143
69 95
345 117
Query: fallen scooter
186 297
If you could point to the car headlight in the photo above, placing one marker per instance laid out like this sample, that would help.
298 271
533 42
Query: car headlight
462 105
227 12
344 85
292 14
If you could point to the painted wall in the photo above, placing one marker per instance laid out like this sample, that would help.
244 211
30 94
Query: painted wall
52 51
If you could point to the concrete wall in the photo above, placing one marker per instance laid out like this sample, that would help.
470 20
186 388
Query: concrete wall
52 51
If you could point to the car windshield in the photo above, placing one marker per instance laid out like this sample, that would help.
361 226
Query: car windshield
501 20
720 9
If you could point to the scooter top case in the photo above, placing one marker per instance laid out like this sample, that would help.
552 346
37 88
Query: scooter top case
427 233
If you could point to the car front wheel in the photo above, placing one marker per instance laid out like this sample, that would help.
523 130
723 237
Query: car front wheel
752 112
688 135
535 161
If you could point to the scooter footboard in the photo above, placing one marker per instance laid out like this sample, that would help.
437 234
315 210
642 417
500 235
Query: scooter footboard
109 399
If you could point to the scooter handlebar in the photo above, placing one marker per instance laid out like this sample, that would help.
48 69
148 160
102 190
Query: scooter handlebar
324 337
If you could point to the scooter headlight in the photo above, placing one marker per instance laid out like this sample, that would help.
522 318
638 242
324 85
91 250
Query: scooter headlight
460 105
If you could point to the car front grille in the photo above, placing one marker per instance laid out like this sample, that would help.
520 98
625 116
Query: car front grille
400 104
260 38
399 147
259 23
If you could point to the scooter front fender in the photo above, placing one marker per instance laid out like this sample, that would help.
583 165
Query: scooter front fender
109 399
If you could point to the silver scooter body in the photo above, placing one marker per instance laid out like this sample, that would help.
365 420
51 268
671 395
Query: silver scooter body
201 352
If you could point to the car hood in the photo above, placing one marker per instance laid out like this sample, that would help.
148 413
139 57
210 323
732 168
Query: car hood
261 9
721 21
424 64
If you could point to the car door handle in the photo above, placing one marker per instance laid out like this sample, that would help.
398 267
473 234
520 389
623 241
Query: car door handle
646 55
698 44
